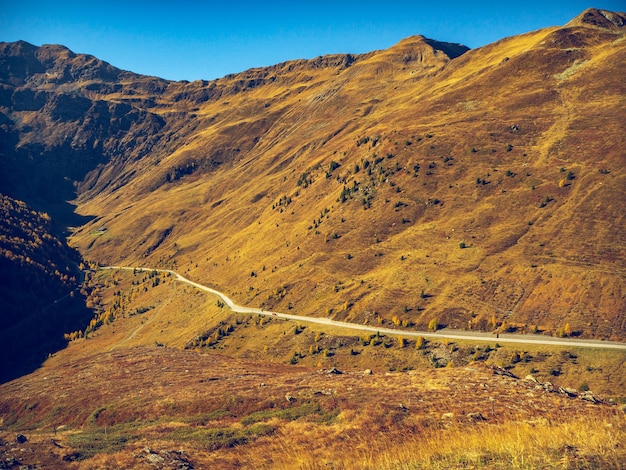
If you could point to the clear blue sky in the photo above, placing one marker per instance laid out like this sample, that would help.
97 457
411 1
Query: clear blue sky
186 40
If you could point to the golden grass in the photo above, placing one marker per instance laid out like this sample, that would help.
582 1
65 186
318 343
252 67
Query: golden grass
545 265
178 314
579 443
251 414
461 219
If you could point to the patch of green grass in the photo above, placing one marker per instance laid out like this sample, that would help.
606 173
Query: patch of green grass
204 418
311 410
215 438
93 417
90 443
290 414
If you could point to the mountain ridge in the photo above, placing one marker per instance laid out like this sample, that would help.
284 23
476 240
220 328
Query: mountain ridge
336 173
412 189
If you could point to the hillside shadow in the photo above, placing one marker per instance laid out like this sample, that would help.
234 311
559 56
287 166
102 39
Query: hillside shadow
26 345
51 197
64 217
450 49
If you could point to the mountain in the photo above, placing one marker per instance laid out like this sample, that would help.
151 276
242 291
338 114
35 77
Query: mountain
423 181
419 187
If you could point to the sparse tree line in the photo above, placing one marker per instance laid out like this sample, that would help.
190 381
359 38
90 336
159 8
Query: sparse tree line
212 336
366 178
119 307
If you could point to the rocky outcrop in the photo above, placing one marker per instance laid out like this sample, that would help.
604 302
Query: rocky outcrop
586 395
58 126
602 19
165 458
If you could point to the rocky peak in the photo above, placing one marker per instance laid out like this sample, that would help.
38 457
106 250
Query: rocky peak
603 19
21 63
423 51
18 62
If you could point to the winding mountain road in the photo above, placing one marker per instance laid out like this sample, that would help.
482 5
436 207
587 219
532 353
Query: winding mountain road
442 334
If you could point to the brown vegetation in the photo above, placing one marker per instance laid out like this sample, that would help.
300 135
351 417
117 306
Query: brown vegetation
39 276
219 411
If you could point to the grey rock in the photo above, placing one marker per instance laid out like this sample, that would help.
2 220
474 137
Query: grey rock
589 396
530 378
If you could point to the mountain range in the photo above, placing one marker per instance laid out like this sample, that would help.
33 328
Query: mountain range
422 187
481 188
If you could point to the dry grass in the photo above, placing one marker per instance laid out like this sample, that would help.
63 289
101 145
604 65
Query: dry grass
482 229
185 317
544 263
220 409
595 443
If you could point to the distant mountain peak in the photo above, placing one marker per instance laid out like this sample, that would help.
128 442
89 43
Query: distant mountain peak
452 50
604 19
21 61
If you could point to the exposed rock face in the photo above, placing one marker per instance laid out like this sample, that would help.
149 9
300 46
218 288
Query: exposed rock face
22 63
589 396
55 129
165 459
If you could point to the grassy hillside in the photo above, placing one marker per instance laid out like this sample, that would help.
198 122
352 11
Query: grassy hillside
171 377
210 410
421 184
403 182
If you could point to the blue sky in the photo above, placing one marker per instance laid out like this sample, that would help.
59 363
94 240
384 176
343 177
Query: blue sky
206 40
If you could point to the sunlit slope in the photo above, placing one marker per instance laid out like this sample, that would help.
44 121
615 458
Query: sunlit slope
475 190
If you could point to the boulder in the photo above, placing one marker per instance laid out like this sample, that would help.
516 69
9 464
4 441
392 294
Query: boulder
570 392
21 439
530 378
503 372
589 396
476 417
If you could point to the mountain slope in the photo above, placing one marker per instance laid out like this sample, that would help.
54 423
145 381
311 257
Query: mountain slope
481 188
417 187
213 411
39 303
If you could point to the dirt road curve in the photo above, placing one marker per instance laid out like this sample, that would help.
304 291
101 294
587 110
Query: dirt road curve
450 334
